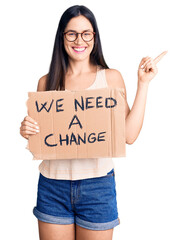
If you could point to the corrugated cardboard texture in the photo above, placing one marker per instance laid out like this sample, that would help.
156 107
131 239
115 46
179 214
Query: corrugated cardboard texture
96 116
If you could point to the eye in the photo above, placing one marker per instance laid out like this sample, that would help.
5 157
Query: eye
71 33
87 33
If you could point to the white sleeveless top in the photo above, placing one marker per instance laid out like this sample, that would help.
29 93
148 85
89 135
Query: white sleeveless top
75 169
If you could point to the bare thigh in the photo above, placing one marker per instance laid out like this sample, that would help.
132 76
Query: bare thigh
48 231
86 234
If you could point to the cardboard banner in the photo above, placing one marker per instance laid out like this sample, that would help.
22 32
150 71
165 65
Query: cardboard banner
78 124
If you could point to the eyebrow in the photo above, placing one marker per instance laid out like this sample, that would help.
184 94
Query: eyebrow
70 30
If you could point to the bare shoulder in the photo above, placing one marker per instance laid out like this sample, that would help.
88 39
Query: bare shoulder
42 83
114 78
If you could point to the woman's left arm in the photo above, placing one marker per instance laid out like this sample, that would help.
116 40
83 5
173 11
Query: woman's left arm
134 117
134 121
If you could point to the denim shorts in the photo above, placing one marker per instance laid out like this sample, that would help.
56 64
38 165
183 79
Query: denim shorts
90 203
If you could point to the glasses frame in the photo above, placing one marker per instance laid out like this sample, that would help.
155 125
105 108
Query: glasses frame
64 33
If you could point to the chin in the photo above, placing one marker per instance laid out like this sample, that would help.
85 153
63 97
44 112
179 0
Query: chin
80 58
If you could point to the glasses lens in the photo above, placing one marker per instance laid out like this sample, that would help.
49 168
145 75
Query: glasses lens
87 36
70 36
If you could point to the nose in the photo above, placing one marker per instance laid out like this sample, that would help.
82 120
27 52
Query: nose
79 39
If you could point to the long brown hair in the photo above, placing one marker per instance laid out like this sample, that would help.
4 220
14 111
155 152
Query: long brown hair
59 62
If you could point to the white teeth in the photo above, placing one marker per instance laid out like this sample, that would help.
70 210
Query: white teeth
79 49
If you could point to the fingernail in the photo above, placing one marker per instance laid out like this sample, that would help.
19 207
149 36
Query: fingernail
37 127
142 66
35 122
37 130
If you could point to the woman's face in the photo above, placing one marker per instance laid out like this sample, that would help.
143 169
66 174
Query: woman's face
79 50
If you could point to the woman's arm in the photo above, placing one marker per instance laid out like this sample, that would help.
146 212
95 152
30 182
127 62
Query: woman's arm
134 117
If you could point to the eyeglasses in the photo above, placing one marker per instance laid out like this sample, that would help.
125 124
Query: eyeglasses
71 36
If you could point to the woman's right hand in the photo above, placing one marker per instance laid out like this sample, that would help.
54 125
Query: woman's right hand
28 127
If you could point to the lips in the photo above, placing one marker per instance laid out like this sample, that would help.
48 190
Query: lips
79 49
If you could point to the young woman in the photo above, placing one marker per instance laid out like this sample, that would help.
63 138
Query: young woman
77 197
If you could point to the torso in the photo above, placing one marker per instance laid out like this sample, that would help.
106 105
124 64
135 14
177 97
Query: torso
74 169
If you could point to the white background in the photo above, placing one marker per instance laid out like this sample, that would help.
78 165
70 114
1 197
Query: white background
152 181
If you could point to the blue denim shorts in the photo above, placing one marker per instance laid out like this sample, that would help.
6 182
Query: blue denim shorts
90 203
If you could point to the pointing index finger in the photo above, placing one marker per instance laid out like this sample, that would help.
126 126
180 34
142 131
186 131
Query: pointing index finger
158 58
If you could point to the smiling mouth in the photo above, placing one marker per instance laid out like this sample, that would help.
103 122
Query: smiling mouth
79 49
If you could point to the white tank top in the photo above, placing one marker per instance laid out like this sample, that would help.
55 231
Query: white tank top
75 169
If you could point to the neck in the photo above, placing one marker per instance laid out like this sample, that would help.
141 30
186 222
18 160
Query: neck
79 67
